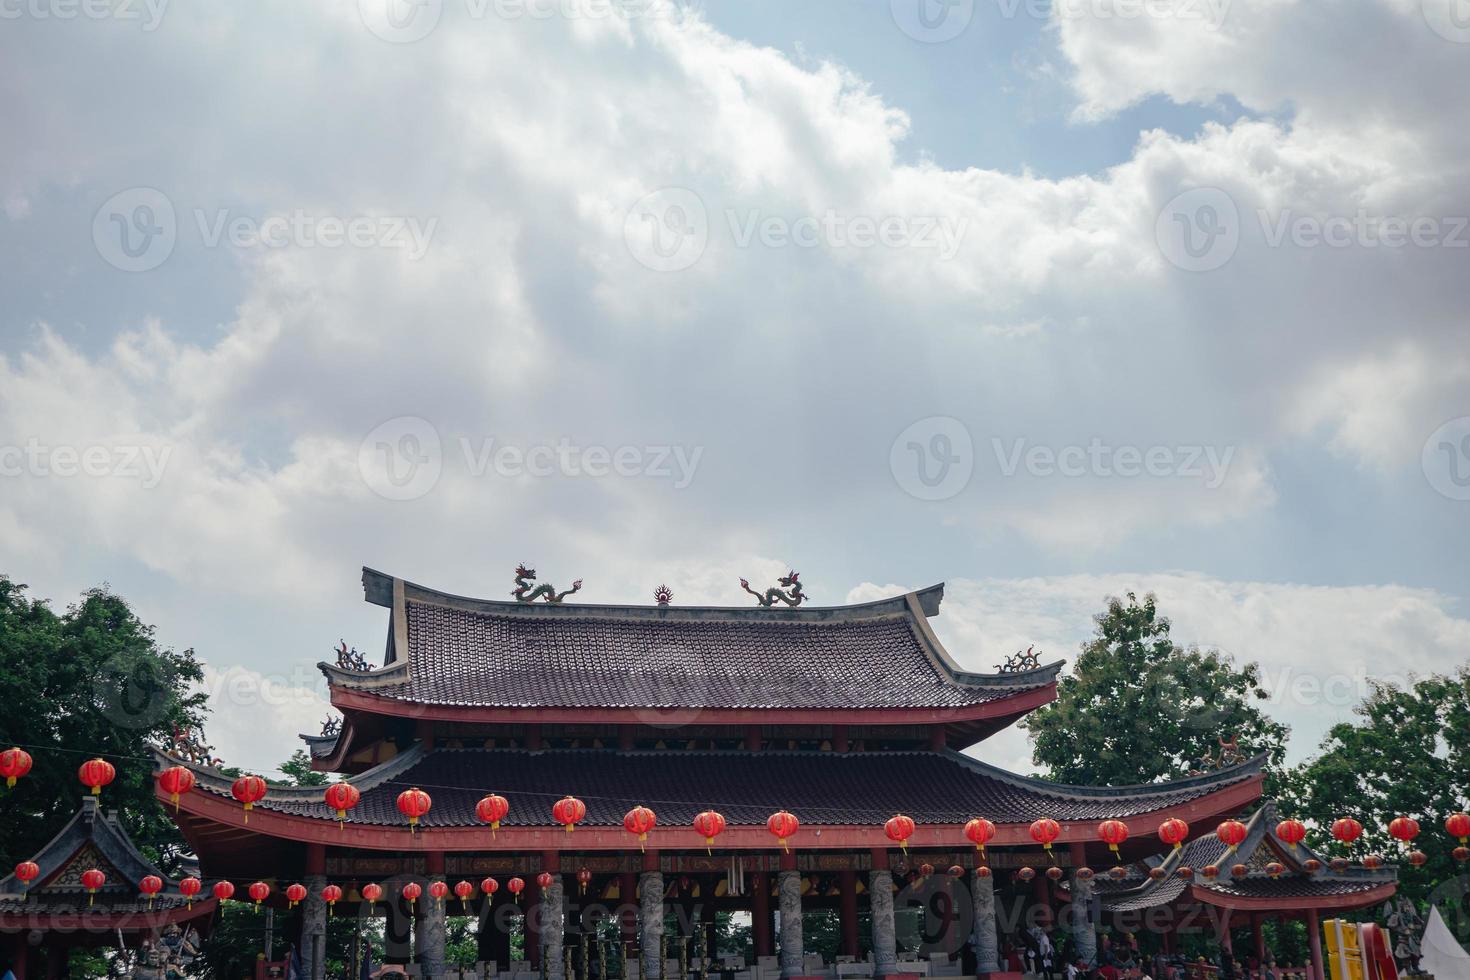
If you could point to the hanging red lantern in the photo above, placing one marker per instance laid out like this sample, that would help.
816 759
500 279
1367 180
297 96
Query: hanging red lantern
1461 854
464 890
1231 833
248 790
1403 828
489 886
1044 831
27 872
899 829
955 871
1339 864
640 820
516 886
709 825
1372 861
982 872
1458 825
223 890
1239 871
1311 866
189 888
1113 833
1210 871
1085 874
1184 871
544 880
414 803
925 870
95 774
14 763
294 894
492 809
92 881
569 811
331 894
371 892
1174 832
1418 858
342 797
151 885
1291 832
1346 829
1026 874
980 832
1055 873
438 891
782 826
1117 872
584 878
412 891
176 781
1158 874
1274 869
258 892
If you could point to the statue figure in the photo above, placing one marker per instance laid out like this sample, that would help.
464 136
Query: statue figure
524 592
790 591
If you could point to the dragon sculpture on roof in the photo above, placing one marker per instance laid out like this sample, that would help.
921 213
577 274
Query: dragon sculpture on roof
790 591
525 592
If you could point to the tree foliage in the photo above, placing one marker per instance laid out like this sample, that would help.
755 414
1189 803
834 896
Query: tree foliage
89 682
1138 708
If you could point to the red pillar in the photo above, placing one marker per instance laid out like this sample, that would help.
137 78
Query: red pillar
760 913
839 738
1314 937
753 739
847 882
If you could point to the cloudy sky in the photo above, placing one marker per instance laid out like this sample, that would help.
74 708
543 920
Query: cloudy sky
1050 301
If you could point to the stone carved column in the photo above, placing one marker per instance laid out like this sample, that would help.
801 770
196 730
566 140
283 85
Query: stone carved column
788 888
553 929
314 928
987 946
651 922
880 903
1084 934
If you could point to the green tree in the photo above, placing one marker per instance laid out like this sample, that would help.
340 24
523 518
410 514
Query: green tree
298 771
90 682
1138 708
1404 756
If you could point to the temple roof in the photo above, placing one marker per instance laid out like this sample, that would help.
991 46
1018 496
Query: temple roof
821 788
478 653
1260 847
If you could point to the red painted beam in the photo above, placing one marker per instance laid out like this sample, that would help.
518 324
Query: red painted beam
198 808
98 918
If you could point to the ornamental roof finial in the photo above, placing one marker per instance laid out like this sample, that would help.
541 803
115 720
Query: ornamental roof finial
663 595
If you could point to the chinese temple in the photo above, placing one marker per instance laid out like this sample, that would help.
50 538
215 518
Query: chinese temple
722 723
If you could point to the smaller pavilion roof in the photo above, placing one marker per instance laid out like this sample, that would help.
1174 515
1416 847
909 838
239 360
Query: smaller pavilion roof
1293 888
93 839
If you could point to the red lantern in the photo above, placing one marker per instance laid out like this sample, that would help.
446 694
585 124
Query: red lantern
899 828
175 781
925 870
1085 874
640 820
569 811
190 887
342 797
1339 864
544 880
1373 861
414 803
783 825
1291 832
955 871
438 891
412 891
258 892
980 832
1117 872
92 880
151 885
1158 874
1274 869
1055 873
1239 871
1113 833
1231 833
1403 828
1346 829
95 774
294 894
1184 871
1044 831
516 886
584 878
709 825
1418 858
489 886
14 763
1461 854
27 872
1026 874
332 894
223 890
1458 825
982 872
249 790
492 809
372 891
1174 832
1210 871
1311 866
464 890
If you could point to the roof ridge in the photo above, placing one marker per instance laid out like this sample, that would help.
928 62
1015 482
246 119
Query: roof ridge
1239 771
